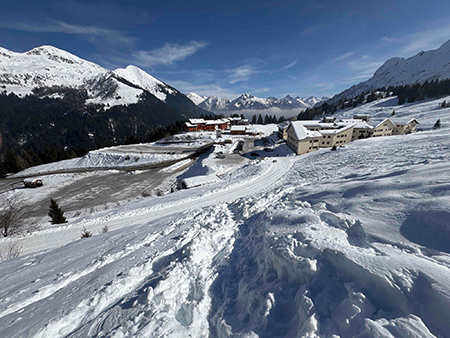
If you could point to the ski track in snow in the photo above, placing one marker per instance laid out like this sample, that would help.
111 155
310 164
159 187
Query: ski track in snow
331 246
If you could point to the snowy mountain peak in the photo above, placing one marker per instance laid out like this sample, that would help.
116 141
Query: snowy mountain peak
249 101
137 76
48 66
143 80
424 66
194 97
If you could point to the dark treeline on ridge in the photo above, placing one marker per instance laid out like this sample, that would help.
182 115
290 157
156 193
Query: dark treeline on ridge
37 130
406 93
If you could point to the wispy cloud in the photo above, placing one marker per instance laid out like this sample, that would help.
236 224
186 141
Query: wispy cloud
292 64
424 40
343 57
310 30
364 67
203 89
240 74
261 90
333 84
168 54
110 35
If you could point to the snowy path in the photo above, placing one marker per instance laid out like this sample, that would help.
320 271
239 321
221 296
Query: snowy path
56 237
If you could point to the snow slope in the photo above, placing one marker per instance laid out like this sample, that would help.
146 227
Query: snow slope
145 81
48 66
346 243
44 66
426 111
194 97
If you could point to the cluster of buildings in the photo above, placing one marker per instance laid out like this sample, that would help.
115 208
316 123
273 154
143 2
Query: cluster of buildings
212 125
307 136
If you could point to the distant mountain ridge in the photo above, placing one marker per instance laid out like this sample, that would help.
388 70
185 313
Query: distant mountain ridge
48 66
425 66
250 102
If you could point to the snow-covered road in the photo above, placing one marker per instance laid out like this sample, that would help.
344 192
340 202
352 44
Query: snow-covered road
160 208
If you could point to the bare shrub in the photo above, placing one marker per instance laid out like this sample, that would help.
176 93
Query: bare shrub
11 217
159 192
145 194
10 251
105 229
86 233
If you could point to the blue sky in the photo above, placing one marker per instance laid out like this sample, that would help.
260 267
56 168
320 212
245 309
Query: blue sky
225 48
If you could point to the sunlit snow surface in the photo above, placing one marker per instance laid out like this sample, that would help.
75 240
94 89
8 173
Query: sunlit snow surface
348 243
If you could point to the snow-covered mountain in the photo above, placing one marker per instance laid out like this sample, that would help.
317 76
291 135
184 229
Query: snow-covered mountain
194 97
48 66
430 65
250 102
215 104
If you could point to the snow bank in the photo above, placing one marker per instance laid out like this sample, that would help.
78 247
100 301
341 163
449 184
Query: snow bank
102 160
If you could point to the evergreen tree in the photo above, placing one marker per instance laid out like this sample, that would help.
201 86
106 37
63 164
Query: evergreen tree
56 213
254 119
393 113
444 104
260 120
437 125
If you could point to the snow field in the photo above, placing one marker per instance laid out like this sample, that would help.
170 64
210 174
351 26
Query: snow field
346 243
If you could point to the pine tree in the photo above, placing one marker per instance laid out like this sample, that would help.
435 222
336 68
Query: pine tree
437 125
260 119
55 212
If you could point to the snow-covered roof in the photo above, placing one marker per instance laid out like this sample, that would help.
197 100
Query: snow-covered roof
197 121
404 121
301 132
284 125
338 130
359 124
190 125
215 122
196 181
385 120
361 115
238 128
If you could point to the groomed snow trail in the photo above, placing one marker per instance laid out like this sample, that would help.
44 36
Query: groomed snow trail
167 205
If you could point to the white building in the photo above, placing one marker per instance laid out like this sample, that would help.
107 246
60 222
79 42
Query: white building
302 140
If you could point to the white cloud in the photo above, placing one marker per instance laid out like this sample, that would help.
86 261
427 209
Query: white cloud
343 57
364 67
261 90
168 54
92 32
310 30
240 74
206 90
292 64
424 40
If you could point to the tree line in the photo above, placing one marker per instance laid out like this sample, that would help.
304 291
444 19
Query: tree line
405 93
37 129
